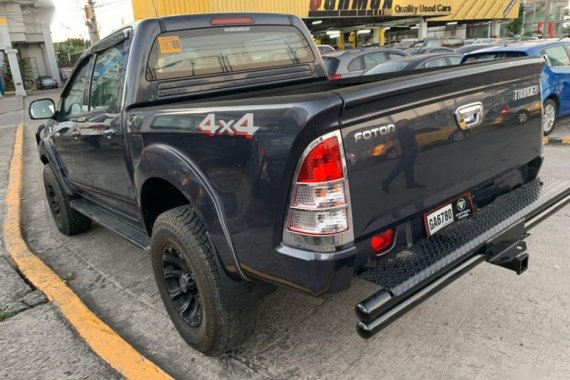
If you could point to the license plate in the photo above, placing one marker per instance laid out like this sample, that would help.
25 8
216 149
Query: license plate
443 216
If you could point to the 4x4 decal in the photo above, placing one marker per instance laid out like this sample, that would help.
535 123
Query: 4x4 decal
242 127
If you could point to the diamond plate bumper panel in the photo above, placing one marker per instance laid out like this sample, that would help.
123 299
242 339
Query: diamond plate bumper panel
434 262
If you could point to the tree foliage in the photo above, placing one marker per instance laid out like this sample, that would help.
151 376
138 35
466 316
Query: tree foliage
67 50
25 71
514 27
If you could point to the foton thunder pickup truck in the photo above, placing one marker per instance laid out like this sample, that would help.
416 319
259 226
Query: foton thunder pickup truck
216 143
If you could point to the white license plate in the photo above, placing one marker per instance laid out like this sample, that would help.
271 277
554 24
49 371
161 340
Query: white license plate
439 219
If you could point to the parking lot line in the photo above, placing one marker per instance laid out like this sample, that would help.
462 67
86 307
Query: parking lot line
105 342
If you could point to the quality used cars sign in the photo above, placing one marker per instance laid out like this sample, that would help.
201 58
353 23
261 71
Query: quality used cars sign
363 8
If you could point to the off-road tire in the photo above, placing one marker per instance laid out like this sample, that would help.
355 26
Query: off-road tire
226 321
68 221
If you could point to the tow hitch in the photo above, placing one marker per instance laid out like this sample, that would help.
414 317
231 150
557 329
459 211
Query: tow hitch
513 257
494 234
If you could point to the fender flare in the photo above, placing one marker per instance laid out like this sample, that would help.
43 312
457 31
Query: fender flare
169 164
46 149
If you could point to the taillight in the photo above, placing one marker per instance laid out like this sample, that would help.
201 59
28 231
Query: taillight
319 216
232 21
324 163
382 242
335 76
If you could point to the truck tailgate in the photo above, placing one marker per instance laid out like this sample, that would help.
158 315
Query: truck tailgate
416 142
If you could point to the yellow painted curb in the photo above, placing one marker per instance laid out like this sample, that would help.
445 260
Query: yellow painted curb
566 140
545 140
105 342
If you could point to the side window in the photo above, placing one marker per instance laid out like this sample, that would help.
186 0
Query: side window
106 77
432 43
356 65
373 59
438 62
74 103
558 56
392 55
454 60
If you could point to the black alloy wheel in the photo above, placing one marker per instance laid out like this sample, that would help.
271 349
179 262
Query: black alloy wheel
181 286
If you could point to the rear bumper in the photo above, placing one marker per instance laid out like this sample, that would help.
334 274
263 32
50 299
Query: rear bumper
494 234
313 272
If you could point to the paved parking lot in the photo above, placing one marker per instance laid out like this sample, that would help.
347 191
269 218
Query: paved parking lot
489 324
36 342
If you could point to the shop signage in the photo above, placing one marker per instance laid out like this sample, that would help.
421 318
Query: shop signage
367 8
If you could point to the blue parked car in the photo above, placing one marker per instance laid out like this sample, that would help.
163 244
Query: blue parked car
555 81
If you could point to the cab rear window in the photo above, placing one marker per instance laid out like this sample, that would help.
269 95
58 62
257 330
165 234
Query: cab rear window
228 49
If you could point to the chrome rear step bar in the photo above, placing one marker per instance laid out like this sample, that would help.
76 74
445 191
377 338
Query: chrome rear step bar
494 234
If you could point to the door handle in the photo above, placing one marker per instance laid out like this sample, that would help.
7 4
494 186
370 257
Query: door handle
469 115
108 133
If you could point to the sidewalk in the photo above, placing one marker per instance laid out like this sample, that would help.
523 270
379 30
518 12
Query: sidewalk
11 108
35 340
11 104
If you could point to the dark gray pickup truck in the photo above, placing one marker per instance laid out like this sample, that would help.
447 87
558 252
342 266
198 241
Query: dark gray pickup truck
217 143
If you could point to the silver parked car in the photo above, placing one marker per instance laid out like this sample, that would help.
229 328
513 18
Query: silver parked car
46 81
416 62
324 49
352 63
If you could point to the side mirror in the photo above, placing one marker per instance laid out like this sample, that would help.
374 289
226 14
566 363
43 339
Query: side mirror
42 109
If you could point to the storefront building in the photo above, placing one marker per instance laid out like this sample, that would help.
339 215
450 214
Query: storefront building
355 22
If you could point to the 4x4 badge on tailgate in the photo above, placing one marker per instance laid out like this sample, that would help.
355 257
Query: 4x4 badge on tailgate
243 127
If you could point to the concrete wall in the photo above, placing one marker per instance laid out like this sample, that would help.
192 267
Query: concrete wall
35 55
28 27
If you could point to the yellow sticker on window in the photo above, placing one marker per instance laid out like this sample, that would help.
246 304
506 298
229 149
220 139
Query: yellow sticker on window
169 45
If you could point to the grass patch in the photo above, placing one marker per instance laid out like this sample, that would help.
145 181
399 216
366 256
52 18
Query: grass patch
8 314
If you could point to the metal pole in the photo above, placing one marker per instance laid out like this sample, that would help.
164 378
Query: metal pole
545 27
91 22
523 17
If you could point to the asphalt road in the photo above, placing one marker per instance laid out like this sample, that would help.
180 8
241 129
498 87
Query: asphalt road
490 324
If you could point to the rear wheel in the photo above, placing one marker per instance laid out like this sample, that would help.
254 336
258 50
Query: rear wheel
522 117
549 117
210 311
68 221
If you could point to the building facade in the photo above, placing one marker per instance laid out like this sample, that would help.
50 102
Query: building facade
386 19
555 24
26 29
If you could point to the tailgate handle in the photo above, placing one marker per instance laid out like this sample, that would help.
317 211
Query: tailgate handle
469 115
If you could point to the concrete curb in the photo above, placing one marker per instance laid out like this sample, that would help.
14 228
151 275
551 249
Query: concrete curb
102 340
557 140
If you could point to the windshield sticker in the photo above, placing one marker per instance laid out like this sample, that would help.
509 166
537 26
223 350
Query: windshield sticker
169 45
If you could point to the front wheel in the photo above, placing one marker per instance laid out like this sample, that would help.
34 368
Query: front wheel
68 221
549 117
210 311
